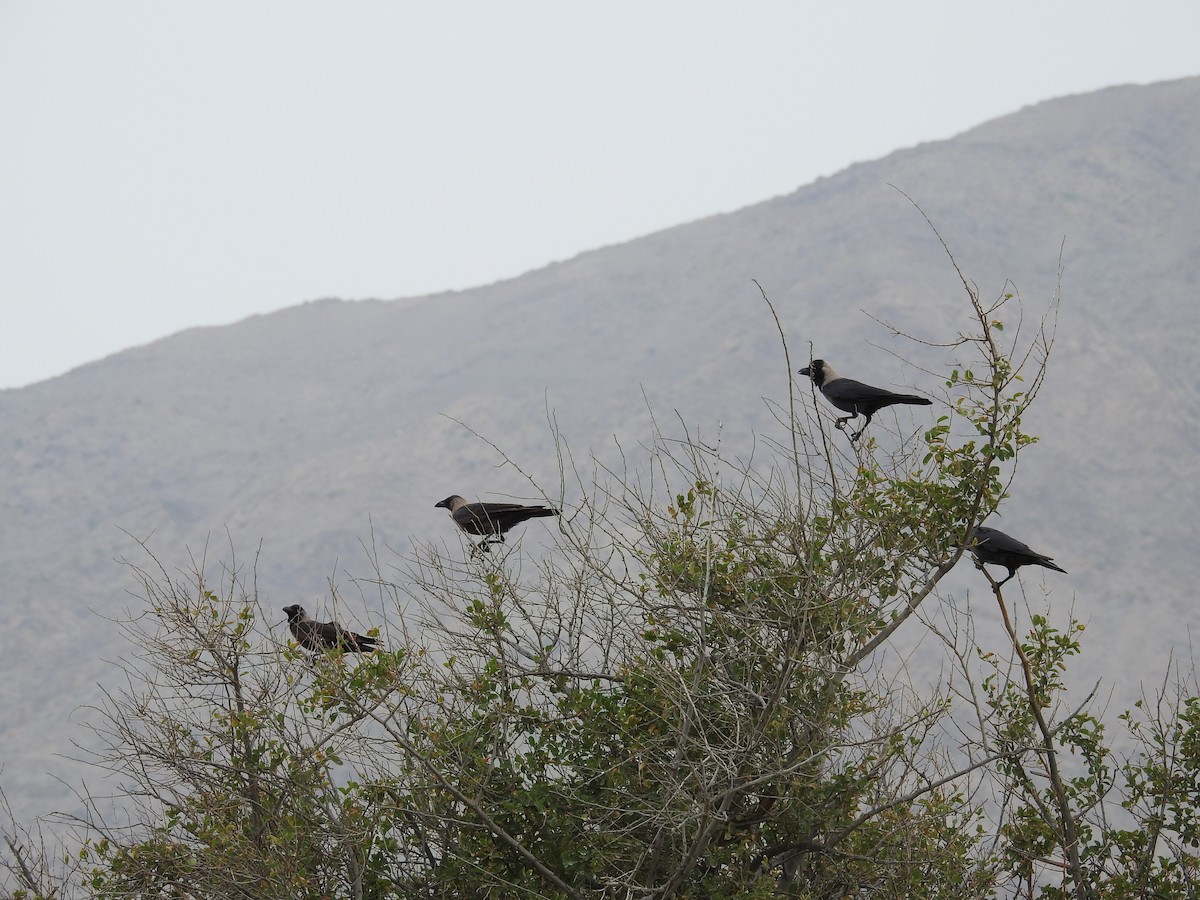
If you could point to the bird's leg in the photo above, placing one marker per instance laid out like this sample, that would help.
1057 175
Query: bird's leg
1011 573
866 422
840 424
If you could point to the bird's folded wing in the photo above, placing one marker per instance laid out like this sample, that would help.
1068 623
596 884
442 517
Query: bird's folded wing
847 389
330 633
492 509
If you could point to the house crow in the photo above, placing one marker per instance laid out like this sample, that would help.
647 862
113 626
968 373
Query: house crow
322 636
997 548
490 519
854 397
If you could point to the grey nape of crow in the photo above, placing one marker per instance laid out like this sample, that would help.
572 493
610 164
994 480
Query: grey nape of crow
997 548
854 397
322 636
490 519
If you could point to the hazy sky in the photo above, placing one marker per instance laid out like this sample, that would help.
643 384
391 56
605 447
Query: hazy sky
170 164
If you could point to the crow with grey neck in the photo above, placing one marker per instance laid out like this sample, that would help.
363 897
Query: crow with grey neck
490 520
854 397
321 636
997 548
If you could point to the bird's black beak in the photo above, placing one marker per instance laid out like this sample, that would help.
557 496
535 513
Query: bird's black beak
441 503
806 371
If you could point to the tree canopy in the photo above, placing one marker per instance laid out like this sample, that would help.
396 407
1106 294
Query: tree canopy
705 689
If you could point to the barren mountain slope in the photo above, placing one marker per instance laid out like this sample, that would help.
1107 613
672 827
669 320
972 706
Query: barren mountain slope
311 427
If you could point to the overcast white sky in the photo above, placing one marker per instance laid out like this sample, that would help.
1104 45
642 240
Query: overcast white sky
170 164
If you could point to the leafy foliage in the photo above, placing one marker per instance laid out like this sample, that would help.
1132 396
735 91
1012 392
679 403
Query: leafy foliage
695 694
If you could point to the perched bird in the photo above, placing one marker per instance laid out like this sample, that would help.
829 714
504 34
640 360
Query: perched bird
997 548
854 397
322 636
490 518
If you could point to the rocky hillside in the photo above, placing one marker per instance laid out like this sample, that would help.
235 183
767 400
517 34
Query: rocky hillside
334 423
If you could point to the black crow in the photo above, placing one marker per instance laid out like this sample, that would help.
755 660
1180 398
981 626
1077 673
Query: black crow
490 518
322 636
997 548
854 397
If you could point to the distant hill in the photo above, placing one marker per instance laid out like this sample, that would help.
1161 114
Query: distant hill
332 423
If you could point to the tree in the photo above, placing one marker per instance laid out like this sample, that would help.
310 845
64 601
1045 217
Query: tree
700 691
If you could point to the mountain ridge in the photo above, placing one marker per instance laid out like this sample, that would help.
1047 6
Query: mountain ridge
331 423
